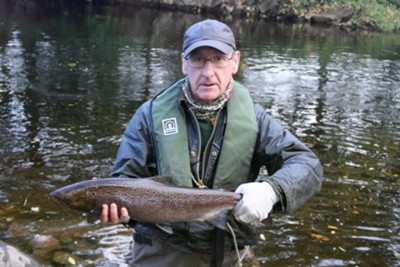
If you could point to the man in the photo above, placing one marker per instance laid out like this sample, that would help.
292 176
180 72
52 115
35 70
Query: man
204 131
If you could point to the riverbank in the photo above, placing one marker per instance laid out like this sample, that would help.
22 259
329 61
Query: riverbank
351 15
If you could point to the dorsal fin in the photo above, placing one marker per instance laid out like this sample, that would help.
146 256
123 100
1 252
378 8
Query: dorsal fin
167 180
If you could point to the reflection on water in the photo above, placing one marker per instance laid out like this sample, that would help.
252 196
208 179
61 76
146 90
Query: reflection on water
70 81
115 244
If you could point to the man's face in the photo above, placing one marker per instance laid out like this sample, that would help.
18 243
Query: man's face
207 83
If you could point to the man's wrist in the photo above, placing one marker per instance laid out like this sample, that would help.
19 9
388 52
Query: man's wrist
280 204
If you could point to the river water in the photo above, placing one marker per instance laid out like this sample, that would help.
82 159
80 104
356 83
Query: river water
71 78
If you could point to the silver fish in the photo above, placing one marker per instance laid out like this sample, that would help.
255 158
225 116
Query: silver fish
152 200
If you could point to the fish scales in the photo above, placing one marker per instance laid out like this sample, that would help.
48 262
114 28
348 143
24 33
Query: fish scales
152 200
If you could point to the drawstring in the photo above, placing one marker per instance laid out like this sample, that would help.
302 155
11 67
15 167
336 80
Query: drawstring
200 184
246 248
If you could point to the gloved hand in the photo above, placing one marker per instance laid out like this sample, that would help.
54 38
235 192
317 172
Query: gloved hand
257 202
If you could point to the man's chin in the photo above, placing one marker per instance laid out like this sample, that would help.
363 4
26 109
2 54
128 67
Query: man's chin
207 95
205 99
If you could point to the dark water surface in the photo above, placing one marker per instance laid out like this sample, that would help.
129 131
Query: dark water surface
70 79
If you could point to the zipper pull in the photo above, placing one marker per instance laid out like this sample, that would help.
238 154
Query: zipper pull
199 183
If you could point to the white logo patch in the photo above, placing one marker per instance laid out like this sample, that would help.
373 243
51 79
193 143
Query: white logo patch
170 126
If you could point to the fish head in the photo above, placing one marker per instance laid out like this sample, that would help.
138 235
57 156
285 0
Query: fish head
73 198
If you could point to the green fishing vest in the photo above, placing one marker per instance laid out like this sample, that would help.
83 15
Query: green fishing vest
170 135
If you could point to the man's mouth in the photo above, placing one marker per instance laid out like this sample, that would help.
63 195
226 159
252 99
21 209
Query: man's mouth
207 84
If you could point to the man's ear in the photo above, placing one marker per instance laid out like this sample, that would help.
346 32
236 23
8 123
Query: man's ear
236 62
183 64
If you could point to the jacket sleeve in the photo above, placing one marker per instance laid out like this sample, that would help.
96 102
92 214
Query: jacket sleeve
135 157
293 169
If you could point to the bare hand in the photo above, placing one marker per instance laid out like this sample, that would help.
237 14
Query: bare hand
110 214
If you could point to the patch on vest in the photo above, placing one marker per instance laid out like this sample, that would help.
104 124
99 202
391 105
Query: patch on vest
170 126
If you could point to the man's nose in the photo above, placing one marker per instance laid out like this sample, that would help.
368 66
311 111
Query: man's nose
208 68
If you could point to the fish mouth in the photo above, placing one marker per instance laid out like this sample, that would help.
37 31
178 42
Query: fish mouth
55 195
56 198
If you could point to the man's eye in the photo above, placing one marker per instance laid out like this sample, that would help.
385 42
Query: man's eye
197 59
218 58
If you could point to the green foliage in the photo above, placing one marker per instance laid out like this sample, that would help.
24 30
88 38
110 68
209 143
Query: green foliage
385 14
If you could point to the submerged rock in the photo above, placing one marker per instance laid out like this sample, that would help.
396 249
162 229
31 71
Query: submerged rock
43 244
65 259
46 242
13 257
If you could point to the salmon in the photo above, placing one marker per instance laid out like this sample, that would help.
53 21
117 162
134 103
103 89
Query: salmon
149 200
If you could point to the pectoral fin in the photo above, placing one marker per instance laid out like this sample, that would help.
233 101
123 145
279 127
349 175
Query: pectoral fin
94 215
166 228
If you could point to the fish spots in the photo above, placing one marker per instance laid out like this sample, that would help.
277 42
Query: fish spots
149 201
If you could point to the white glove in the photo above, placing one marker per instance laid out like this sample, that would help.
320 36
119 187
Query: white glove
257 202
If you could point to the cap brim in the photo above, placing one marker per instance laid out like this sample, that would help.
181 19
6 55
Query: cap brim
223 47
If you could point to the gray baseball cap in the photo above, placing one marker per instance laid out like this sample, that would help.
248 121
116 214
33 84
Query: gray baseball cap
211 33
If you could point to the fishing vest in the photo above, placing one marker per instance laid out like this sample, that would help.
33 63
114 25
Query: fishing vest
171 140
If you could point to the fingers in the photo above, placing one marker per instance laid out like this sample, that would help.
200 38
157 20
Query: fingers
239 212
244 213
124 216
104 214
110 214
113 213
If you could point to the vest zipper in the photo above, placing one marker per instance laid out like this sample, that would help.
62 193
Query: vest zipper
208 146
196 177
